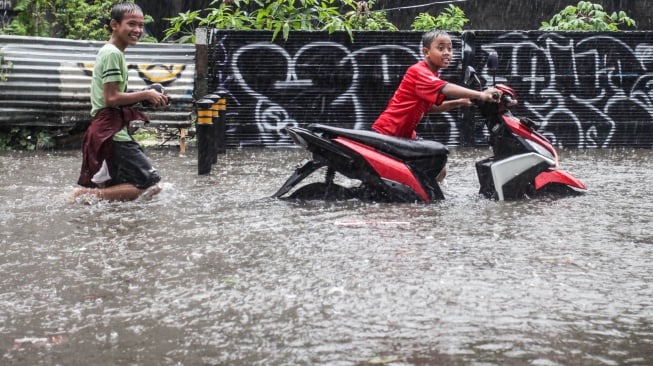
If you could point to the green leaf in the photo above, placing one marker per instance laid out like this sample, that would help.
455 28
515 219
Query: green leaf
585 16
286 30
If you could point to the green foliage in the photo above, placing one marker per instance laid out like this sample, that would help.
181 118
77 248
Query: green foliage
25 138
587 16
224 16
71 19
5 68
278 16
145 134
362 18
452 19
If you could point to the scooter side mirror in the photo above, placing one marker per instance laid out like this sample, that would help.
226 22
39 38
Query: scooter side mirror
492 64
492 61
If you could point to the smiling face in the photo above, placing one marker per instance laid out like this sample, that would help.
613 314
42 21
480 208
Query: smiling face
128 30
438 55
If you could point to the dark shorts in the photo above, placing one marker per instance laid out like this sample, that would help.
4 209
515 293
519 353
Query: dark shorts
130 165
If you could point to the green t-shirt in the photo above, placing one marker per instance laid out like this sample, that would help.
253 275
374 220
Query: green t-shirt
110 66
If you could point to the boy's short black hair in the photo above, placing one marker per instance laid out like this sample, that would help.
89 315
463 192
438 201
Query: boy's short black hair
428 37
119 10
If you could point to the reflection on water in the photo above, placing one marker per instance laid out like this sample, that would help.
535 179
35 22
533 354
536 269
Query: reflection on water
213 272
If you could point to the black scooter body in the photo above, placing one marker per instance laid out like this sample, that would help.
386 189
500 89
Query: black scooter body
389 169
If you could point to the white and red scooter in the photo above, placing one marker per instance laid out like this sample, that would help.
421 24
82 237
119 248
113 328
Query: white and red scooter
525 163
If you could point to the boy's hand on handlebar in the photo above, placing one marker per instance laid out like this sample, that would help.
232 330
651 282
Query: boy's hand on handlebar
491 95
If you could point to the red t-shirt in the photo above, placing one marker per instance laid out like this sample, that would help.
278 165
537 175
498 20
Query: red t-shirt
418 91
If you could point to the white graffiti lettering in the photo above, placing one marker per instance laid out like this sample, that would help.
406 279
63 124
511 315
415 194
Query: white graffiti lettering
586 91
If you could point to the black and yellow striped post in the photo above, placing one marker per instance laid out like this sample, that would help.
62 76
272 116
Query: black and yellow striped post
215 114
205 135
221 124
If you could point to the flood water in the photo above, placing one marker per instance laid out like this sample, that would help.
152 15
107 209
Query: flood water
214 272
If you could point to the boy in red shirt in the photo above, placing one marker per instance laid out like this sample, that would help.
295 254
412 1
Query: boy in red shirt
422 91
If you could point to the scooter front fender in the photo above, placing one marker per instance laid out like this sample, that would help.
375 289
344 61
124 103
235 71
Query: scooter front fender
558 177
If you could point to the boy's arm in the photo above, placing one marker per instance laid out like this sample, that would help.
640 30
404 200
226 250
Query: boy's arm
450 104
456 91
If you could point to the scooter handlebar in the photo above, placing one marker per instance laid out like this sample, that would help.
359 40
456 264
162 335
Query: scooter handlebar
507 99
503 98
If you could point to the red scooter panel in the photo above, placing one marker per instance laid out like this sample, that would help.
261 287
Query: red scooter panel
386 166
519 129
557 176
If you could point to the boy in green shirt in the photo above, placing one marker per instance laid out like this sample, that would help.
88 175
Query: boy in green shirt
114 166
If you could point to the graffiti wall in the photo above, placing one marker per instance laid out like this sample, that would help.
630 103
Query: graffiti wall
587 90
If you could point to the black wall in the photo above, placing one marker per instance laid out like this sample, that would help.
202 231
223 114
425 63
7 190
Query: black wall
586 89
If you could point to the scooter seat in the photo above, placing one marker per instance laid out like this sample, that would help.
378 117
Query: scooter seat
406 149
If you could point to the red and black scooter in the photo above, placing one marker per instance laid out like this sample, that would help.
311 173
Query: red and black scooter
389 169
393 169
525 163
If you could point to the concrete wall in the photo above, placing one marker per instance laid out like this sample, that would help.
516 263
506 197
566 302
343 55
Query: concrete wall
587 89
49 82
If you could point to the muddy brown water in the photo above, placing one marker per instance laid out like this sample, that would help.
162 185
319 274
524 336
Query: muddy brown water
214 272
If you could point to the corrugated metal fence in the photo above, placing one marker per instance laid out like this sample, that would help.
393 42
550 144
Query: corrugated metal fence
49 80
